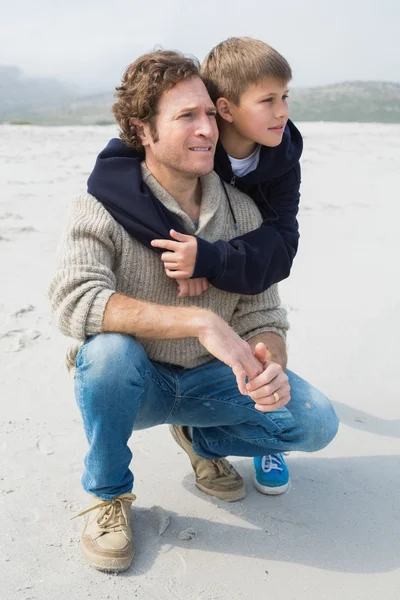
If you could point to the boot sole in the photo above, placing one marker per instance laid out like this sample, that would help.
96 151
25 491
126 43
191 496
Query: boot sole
107 564
227 496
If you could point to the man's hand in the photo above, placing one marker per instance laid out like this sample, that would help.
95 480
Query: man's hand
272 380
224 343
192 287
179 262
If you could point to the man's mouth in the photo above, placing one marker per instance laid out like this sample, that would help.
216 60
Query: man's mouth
201 148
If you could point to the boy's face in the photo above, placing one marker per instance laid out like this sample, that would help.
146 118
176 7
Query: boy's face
262 113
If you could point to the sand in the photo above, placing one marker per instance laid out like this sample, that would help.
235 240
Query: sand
336 533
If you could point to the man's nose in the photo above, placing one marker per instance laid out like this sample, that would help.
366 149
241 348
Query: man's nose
206 126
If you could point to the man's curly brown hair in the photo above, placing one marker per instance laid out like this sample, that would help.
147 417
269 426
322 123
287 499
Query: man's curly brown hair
143 83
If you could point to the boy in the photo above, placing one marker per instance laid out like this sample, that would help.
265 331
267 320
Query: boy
259 152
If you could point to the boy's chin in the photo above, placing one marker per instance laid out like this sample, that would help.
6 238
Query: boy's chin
271 140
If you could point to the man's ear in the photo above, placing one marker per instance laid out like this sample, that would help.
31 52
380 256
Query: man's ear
141 129
224 109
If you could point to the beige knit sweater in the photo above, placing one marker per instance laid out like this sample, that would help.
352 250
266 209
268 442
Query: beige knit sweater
97 257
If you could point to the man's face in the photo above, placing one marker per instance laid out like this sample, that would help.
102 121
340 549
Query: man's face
186 128
262 113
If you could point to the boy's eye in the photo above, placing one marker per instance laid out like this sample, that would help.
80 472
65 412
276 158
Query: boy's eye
285 97
267 100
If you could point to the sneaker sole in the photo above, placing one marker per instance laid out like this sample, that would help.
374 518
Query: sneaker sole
107 564
271 491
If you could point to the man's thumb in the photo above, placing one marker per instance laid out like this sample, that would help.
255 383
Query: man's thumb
260 352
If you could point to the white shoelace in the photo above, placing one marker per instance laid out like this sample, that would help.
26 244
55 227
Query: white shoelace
273 461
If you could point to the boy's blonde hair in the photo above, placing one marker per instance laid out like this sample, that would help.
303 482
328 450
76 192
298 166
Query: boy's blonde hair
236 63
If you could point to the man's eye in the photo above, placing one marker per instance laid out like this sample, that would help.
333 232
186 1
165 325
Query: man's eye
187 115
212 114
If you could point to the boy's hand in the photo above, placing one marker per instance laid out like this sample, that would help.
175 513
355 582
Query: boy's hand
180 260
272 380
192 287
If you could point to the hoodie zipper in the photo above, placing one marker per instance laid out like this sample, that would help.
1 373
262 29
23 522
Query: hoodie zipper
233 181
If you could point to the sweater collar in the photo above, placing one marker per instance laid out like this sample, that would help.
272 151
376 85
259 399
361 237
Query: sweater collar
212 193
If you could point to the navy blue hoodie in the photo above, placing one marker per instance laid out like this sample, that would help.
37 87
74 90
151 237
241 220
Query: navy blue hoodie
248 264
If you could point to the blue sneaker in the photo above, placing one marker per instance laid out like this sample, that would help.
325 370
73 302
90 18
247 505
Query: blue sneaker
272 475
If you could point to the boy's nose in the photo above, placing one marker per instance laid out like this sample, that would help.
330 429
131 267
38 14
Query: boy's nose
281 111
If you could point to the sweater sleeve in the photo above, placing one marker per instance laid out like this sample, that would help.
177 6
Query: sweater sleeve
251 263
83 280
259 314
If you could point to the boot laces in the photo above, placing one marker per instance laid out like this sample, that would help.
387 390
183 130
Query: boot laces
111 516
223 467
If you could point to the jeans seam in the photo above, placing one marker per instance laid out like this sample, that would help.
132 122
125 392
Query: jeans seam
207 398
177 399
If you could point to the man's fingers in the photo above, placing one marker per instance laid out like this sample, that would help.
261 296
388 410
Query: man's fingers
204 283
271 371
167 244
183 288
240 378
265 408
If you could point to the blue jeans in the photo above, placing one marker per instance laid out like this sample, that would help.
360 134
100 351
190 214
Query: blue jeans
119 390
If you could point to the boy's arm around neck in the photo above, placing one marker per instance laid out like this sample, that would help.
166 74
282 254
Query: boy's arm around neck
251 263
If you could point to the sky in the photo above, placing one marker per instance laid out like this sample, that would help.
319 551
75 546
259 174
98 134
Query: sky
89 43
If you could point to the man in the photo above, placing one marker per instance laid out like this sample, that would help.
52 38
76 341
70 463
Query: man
211 366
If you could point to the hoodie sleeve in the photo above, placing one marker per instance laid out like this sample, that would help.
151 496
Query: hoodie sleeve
251 263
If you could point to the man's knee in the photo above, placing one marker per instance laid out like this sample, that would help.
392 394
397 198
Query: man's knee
322 426
109 357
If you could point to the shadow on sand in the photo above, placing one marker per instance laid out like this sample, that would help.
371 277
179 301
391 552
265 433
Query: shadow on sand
341 514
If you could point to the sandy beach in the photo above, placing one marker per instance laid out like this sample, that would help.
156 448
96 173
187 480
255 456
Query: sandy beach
336 533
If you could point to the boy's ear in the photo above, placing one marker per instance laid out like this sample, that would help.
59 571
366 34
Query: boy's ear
224 109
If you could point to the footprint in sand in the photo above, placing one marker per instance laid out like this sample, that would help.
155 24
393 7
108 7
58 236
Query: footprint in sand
22 311
9 215
16 340
59 443
46 445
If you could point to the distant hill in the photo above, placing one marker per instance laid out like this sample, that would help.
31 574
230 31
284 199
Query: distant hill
20 95
363 101
48 102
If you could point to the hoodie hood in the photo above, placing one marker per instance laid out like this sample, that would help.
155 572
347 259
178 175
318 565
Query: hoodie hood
116 181
274 162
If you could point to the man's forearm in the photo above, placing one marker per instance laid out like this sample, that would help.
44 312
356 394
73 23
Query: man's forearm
152 321
276 347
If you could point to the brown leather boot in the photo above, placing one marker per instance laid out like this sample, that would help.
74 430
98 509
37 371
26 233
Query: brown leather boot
107 542
213 477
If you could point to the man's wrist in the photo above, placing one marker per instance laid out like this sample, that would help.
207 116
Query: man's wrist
201 321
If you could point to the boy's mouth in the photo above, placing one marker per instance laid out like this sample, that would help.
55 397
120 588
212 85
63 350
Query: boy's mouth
277 128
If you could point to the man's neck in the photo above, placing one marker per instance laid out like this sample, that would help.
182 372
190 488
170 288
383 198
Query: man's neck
184 189
234 144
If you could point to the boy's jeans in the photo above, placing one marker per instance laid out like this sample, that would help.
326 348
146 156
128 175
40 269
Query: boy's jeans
118 389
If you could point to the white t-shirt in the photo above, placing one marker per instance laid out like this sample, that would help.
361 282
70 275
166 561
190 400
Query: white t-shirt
242 166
